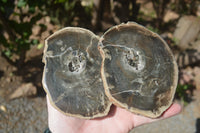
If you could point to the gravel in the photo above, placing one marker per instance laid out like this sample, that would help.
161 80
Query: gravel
23 115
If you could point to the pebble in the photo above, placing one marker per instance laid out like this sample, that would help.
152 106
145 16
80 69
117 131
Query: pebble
3 108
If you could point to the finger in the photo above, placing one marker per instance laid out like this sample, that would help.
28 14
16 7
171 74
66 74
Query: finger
174 109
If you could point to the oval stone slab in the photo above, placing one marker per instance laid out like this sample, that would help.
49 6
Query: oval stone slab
71 74
138 69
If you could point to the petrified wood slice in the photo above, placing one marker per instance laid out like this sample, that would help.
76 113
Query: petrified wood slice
72 76
138 69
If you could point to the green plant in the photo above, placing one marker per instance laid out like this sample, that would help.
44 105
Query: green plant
186 7
17 18
160 7
175 41
183 93
153 29
68 12
16 22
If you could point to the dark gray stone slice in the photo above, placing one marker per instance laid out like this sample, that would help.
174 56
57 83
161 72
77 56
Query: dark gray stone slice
71 75
138 69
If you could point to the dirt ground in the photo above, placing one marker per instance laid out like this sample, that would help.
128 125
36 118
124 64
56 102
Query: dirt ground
28 113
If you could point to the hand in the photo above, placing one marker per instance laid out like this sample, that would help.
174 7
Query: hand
117 121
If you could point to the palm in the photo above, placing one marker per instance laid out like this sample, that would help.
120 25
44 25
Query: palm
118 121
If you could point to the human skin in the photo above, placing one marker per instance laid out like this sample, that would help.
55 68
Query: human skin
117 121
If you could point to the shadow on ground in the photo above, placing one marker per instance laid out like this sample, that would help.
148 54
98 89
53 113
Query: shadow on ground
32 71
198 125
1 74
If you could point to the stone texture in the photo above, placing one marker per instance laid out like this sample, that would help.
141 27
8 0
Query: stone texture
187 30
139 71
170 15
197 77
72 77
26 89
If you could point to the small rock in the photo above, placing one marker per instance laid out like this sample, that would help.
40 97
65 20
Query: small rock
186 76
198 11
196 45
197 77
197 70
36 30
8 79
170 15
3 108
47 19
197 82
187 31
27 89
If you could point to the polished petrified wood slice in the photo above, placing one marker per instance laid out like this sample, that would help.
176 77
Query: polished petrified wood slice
72 77
138 69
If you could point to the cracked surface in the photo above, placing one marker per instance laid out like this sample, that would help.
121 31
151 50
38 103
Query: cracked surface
138 69
72 73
